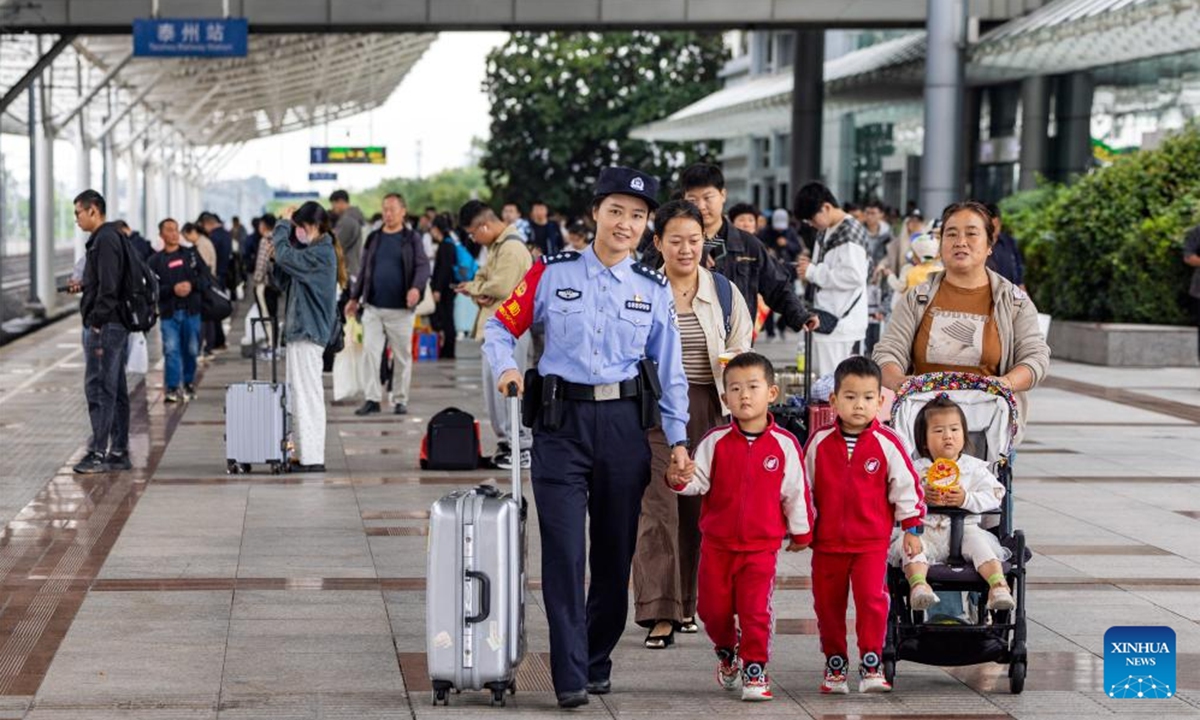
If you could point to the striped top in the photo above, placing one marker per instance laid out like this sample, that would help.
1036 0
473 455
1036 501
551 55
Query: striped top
696 364
851 441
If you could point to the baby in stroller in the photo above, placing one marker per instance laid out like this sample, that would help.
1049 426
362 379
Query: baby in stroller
952 478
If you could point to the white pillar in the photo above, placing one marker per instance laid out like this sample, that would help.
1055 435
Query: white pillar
133 214
42 146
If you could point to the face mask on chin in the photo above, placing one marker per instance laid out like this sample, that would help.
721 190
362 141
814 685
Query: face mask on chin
302 236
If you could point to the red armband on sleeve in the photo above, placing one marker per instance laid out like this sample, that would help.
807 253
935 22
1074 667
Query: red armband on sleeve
516 312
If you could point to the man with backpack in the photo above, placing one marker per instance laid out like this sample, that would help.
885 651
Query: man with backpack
507 262
182 275
105 311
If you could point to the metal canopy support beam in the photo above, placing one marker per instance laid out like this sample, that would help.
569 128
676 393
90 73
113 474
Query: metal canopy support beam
944 83
35 72
83 157
808 105
145 90
59 124
182 122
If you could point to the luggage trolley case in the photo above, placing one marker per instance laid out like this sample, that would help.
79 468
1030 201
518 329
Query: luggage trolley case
475 593
256 418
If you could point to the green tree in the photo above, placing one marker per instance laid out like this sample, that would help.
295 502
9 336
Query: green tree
563 104
1108 248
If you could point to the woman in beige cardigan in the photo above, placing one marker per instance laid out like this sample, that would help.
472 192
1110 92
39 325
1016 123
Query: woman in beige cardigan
668 545
967 318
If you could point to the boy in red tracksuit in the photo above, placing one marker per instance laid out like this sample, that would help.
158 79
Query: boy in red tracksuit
863 482
751 473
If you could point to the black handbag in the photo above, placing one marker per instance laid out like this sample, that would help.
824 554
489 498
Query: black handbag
829 321
215 304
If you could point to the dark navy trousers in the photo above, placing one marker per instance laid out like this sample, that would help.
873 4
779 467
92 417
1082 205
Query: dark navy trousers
597 464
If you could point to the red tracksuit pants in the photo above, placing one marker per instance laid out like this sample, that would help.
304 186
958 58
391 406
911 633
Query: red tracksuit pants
834 575
736 590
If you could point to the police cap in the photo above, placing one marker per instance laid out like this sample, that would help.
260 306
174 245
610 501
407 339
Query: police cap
627 181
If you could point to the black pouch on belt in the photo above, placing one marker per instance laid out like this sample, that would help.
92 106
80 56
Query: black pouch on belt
531 401
553 403
651 393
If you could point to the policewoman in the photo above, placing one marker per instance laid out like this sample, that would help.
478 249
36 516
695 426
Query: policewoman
611 370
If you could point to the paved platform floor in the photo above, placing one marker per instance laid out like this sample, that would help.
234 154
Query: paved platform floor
176 591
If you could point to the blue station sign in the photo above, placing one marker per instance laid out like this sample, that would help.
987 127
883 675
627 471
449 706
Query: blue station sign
191 37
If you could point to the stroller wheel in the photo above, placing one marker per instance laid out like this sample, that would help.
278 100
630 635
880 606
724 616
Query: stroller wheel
889 671
1016 677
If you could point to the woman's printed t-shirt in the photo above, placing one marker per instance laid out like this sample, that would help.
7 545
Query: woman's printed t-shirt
958 333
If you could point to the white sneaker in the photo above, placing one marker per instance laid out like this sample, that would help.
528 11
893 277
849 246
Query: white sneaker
504 460
756 686
870 676
922 597
1000 598
835 682
728 672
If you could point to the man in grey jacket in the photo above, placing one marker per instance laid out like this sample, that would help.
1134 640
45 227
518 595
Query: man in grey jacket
348 229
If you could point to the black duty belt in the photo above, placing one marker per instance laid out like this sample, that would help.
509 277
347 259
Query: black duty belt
601 393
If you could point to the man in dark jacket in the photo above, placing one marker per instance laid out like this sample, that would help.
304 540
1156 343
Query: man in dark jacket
546 235
1005 259
738 255
140 244
181 277
223 243
443 283
106 338
391 281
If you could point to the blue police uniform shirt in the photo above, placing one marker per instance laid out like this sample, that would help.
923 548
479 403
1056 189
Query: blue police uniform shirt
600 322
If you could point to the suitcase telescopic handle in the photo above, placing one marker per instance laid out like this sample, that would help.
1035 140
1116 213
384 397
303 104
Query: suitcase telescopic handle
485 597
273 341
514 434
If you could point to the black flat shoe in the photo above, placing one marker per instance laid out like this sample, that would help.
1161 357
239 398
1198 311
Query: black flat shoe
660 642
688 626
569 700
314 468
368 408
599 687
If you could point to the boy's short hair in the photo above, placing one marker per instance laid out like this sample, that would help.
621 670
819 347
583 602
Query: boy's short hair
941 403
471 210
742 209
857 366
701 175
749 360
810 198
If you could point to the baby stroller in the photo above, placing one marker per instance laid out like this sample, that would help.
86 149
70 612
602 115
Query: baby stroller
995 636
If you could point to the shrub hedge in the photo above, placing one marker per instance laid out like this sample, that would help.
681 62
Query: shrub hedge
1108 248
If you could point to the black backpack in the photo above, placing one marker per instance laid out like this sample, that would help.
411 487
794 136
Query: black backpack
140 291
451 441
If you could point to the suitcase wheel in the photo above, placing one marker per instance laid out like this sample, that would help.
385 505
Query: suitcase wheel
498 698
232 467
276 468
441 693
245 467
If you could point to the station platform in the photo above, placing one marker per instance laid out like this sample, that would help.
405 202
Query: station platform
176 591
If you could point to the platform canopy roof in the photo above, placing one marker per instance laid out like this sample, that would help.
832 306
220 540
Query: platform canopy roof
286 82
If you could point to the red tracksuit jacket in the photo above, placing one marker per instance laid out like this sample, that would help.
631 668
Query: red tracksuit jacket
859 499
755 494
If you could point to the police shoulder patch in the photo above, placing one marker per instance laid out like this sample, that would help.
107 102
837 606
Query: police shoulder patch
654 275
565 256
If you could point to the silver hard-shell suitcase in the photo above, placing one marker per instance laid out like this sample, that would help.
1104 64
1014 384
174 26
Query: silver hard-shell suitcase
475 592
257 422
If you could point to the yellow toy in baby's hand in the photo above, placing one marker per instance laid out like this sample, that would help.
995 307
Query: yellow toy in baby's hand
942 475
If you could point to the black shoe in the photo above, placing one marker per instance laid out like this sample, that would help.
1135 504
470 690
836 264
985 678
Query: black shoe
91 464
400 409
599 687
190 390
118 461
572 699
314 468
172 396
370 407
